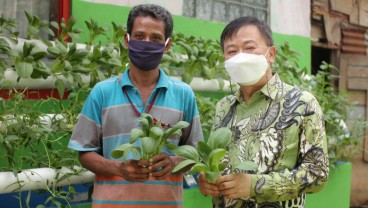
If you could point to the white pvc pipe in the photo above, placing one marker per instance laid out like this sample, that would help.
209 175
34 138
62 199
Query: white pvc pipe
197 84
40 46
207 85
46 120
10 77
41 178
19 46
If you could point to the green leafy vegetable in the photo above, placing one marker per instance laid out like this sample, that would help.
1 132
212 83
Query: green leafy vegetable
153 136
207 157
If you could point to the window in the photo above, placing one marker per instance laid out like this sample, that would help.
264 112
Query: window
51 10
226 10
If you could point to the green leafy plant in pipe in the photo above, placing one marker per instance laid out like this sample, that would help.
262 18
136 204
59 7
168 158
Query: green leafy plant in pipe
154 138
343 137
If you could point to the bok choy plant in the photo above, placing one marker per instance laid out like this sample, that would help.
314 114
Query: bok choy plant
208 155
153 136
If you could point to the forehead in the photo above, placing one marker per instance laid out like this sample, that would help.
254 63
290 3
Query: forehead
148 24
246 33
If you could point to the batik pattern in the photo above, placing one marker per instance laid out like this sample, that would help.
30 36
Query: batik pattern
282 130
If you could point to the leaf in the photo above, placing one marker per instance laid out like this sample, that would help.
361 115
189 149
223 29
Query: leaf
149 145
57 66
204 150
220 138
177 133
71 21
215 159
222 166
149 119
68 77
39 55
156 132
54 51
72 49
122 150
135 133
60 87
11 138
24 69
212 176
145 125
187 152
171 146
32 30
29 16
4 45
187 48
55 25
199 167
168 133
187 77
183 164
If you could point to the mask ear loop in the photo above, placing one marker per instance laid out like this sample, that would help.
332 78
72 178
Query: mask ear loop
268 49
167 40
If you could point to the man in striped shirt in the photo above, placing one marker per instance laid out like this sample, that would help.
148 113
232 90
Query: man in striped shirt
113 107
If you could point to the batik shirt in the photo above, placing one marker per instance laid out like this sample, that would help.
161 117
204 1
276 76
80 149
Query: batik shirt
282 130
105 123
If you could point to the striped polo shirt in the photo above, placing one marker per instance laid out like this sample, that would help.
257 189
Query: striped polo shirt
105 123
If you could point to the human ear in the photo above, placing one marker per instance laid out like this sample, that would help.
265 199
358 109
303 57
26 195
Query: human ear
168 44
272 54
126 41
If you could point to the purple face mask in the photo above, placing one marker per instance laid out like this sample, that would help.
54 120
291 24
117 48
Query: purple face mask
145 55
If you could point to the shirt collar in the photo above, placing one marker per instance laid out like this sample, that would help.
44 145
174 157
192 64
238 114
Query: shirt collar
163 80
271 89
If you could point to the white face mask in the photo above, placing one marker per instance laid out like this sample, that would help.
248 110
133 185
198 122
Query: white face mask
246 69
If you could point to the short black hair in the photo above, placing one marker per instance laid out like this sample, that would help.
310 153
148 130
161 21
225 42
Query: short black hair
154 11
233 27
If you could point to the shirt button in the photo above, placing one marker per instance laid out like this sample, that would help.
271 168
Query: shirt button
140 104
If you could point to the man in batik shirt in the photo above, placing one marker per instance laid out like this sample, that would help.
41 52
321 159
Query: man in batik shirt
277 126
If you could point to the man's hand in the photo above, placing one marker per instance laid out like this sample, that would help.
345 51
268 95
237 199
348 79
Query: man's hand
161 166
206 187
134 170
233 186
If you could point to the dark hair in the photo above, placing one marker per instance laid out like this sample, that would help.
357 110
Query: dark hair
233 27
154 11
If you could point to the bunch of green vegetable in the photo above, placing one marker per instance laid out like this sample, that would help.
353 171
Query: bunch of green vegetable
208 155
153 136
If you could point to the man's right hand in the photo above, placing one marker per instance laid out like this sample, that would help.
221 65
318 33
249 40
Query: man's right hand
134 170
207 188
131 170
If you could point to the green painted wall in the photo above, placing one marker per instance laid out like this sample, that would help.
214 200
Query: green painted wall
104 14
